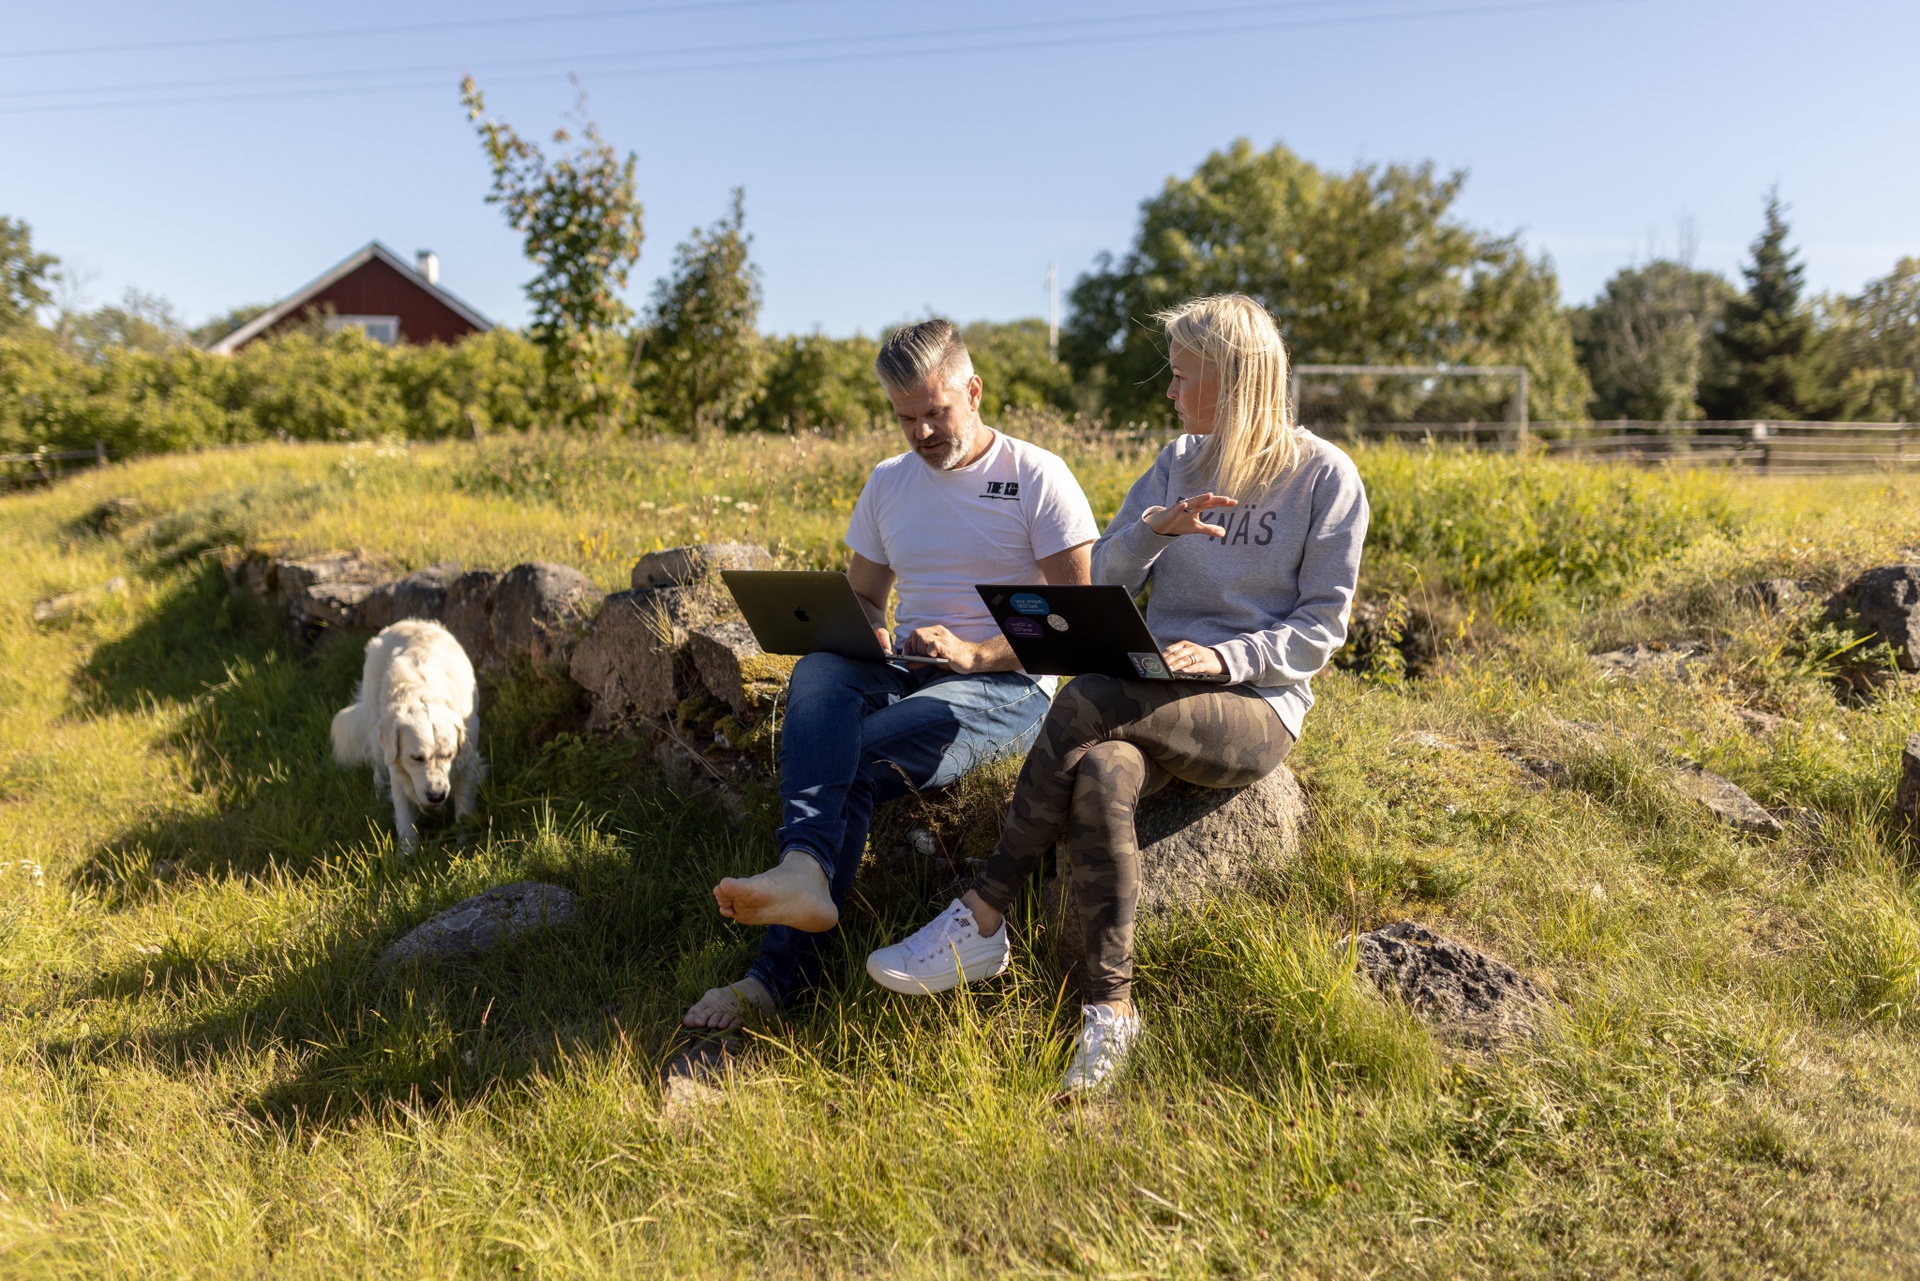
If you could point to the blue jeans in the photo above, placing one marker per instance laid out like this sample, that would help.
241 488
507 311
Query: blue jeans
858 733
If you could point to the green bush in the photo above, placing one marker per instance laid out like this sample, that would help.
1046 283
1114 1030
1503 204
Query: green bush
1524 529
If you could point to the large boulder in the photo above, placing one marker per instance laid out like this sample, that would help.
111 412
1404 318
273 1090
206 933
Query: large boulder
1885 601
485 921
539 610
1464 993
322 592
735 670
468 611
683 566
631 658
1906 796
421 594
1196 843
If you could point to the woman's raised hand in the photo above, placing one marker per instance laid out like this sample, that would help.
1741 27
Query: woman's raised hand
1182 516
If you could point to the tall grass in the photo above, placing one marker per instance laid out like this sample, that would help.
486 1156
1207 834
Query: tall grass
205 1073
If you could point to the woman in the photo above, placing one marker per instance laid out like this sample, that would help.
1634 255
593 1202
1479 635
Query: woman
1249 531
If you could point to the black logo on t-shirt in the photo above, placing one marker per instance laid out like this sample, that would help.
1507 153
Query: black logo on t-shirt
1003 489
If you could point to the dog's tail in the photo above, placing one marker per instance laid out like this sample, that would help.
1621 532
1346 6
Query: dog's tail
353 735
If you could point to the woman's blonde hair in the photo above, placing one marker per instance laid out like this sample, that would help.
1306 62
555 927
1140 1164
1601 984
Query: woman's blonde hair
1253 442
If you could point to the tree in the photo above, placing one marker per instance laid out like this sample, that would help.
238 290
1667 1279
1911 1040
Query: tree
813 381
1011 359
1361 268
26 277
141 322
582 222
703 350
1763 355
1872 345
1643 341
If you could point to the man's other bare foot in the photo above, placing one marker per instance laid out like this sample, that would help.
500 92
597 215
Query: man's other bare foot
794 893
734 1005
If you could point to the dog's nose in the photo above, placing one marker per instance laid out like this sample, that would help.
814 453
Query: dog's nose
434 798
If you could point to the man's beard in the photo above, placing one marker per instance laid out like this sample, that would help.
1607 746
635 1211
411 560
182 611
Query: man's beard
951 452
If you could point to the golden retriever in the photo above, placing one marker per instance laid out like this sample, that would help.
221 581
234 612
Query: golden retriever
416 720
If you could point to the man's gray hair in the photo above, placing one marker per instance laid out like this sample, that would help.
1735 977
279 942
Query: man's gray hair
917 354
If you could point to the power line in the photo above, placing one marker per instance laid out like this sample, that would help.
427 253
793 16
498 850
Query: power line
915 42
695 51
414 28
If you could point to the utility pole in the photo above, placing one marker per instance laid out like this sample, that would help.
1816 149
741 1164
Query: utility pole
1053 312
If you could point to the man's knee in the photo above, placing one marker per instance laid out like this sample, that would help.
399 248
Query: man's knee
821 673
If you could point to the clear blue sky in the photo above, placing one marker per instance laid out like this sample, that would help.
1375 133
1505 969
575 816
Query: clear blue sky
900 159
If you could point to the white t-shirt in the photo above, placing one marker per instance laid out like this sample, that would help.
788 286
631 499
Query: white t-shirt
942 532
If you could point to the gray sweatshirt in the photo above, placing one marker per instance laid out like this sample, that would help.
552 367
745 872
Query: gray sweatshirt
1272 597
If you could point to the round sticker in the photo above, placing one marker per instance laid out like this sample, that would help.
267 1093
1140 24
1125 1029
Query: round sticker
1028 603
1024 628
1056 622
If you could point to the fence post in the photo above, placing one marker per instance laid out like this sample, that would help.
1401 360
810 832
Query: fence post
99 453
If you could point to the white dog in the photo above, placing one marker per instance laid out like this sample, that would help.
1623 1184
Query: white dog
416 720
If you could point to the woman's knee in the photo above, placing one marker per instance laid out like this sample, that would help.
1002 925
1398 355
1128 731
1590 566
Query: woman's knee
1085 702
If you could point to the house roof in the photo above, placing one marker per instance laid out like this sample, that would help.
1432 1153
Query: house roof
292 304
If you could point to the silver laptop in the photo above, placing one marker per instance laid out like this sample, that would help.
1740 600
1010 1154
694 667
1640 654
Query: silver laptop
808 612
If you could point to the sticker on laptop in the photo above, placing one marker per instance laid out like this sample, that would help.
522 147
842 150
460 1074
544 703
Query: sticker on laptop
1028 603
1024 628
1150 666
1056 622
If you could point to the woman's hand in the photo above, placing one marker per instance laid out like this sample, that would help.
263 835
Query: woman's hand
1182 516
1194 660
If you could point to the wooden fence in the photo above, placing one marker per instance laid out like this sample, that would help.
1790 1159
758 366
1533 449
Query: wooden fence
44 466
1776 448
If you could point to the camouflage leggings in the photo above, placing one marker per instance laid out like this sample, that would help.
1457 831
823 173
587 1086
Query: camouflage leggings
1104 745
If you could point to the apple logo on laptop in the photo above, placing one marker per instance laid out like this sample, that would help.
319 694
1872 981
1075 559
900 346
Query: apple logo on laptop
801 614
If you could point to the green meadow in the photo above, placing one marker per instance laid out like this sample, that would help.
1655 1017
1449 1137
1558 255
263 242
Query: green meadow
202 1073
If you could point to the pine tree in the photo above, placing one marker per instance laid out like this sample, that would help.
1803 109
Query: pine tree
1764 350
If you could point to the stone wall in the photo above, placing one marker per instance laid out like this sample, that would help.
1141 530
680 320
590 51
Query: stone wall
670 657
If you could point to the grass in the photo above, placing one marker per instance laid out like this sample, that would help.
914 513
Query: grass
204 1074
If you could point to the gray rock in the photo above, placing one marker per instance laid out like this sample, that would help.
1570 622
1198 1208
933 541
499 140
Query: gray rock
1728 802
421 594
1196 843
1886 602
1466 994
683 566
67 605
1771 595
631 658
1759 722
1671 661
539 610
1906 797
485 921
322 592
468 611
723 654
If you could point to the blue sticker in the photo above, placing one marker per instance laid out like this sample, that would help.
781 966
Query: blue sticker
1024 628
1028 603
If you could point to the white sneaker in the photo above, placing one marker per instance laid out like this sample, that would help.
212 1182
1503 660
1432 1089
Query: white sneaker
945 952
1106 1038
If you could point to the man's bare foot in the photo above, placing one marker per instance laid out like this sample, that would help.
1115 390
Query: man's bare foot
794 893
724 1008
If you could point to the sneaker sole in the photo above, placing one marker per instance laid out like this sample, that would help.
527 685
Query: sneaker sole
915 985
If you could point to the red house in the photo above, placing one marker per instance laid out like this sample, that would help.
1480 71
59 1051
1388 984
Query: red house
375 292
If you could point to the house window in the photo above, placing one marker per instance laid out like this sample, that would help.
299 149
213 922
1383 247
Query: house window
382 329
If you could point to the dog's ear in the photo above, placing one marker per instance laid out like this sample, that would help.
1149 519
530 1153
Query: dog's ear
390 739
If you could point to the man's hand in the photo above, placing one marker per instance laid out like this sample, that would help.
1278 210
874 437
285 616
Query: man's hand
992 655
1194 660
1182 516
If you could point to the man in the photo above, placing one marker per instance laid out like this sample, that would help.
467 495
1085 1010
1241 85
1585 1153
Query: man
964 505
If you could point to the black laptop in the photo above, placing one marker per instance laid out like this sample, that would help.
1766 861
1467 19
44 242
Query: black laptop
1080 630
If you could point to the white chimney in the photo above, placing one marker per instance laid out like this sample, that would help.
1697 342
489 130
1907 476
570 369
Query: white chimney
427 263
